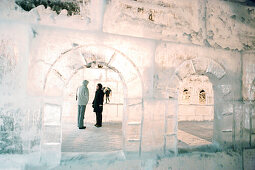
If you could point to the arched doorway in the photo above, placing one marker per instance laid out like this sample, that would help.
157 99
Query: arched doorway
89 57
108 78
196 111
203 67
106 139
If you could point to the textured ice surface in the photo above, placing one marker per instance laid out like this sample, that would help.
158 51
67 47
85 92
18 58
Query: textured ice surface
52 114
144 50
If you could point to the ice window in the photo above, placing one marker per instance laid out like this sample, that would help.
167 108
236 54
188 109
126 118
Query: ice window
202 97
186 95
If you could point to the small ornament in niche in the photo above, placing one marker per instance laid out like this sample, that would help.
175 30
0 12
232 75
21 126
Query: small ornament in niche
202 97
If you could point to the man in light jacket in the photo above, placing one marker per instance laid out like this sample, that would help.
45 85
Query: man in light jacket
82 96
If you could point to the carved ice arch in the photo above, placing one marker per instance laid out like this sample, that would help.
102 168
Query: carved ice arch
97 55
198 66
110 62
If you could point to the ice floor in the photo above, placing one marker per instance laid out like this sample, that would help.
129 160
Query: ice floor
91 139
109 137
195 133
100 148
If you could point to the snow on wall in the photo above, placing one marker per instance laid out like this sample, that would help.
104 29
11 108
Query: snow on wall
161 43
230 25
143 19
218 23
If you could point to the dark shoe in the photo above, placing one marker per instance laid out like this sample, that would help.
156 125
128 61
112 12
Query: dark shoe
84 127
98 126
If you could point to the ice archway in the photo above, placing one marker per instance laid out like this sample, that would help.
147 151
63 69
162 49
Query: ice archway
67 65
215 72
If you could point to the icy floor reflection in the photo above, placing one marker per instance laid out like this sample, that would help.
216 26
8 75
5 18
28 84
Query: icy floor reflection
92 139
194 133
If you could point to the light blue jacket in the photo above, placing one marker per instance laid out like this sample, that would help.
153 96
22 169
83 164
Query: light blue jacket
83 93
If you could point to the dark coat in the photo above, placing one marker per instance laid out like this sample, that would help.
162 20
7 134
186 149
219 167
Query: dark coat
107 91
98 100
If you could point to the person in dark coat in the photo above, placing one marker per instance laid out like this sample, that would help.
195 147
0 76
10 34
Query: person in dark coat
97 104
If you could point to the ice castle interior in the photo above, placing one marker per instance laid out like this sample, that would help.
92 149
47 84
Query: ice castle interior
182 75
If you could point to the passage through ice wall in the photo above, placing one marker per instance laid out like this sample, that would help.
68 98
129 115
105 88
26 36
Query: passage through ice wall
196 99
165 61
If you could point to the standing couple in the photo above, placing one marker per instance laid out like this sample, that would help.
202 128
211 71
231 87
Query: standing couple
82 96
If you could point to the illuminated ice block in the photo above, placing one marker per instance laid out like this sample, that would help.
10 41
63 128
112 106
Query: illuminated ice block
52 114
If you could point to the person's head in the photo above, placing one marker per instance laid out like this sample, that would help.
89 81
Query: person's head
85 82
99 86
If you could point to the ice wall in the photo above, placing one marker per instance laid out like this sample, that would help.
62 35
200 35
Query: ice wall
218 24
15 107
152 45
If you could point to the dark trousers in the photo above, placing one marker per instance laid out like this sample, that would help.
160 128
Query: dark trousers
107 99
81 113
99 118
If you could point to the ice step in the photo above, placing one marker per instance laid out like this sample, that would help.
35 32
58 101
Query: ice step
252 131
134 104
170 134
51 125
134 123
171 116
227 130
227 114
133 140
51 144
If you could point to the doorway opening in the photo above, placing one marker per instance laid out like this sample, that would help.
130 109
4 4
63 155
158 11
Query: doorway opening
92 139
196 112
123 115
